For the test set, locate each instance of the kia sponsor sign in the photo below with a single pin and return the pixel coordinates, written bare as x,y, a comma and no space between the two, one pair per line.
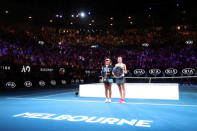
188,71
42,83
53,82
171,71
28,84
139,72
10,84
154,72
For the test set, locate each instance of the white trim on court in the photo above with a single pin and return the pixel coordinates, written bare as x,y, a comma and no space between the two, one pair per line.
45,93
57,94
87,101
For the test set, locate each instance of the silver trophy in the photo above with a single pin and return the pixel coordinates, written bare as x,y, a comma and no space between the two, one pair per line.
118,72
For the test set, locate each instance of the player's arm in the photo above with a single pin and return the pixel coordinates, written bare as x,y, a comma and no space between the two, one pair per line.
102,73
113,69
125,69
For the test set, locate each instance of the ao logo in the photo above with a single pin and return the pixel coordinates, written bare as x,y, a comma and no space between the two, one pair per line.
155,71
28,83
42,83
11,84
171,71
188,71
53,82
26,69
139,71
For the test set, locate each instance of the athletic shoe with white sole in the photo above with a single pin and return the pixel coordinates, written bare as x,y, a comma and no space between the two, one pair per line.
123,101
109,101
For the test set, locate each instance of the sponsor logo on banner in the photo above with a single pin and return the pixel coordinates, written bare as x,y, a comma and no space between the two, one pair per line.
42,83
28,83
145,44
171,71
77,81
63,82
61,71
90,71
189,42
25,69
5,68
82,81
11,84
53,82
155,71
46,69
139,71
188,71
87,71
87,119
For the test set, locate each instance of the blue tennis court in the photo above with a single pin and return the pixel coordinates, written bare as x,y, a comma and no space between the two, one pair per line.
63,110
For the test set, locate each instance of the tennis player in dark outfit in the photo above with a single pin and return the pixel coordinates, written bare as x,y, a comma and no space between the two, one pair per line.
107,78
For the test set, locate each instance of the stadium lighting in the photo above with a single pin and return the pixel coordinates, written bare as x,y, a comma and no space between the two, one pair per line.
60,16
82,14
89,13
6,12
178,27
50,21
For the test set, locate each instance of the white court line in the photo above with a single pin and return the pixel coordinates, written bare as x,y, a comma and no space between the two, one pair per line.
19,96
55,94
194,93
87,101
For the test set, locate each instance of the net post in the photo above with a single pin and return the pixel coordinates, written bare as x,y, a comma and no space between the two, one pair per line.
149,80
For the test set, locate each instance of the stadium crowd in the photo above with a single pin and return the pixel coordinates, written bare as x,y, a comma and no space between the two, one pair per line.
84,50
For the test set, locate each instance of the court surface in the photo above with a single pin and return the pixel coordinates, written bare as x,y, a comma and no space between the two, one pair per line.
62,110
